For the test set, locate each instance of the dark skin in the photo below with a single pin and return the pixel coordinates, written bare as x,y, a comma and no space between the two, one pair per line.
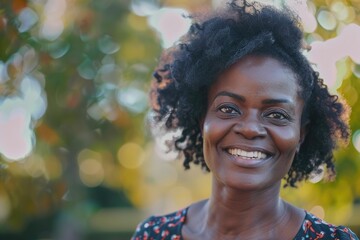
251,131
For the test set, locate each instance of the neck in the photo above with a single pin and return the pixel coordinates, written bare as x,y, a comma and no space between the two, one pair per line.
233,212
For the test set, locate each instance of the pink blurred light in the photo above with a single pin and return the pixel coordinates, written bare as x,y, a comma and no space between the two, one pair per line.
325,54
170,23
15,137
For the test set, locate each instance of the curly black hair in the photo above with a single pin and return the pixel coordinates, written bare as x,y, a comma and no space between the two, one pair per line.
212,45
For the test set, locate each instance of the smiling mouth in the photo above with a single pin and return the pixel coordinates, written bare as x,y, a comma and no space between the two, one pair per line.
252,155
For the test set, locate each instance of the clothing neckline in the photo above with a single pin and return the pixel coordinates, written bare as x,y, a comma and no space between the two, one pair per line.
185,211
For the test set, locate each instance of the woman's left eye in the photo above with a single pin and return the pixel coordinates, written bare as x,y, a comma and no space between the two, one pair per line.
277,115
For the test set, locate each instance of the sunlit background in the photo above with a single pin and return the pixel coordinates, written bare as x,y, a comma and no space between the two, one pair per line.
77,157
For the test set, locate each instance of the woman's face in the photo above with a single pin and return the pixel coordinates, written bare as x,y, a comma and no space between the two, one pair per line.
252,127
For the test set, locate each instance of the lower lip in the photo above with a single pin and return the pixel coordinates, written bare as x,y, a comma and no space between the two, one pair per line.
247,163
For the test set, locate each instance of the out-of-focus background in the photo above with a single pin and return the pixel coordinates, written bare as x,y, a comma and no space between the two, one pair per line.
77,159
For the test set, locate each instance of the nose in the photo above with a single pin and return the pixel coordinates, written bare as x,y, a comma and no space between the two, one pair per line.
250,127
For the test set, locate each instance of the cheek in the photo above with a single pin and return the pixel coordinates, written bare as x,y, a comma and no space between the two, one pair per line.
213,132
208,137
287,139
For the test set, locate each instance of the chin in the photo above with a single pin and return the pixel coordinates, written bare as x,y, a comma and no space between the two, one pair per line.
248,183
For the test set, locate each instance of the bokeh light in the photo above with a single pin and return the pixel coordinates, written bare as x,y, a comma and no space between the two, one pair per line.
326,54
327,20
356,140
133,99
171,24
163,138
91,170
108,73
58,50
317,175
340,9
86,69
144,8
107,45
16,138
16,117
306,11
34,166
131,155
3,73
162,149
318,211
53,25
5,206
27,18
33,97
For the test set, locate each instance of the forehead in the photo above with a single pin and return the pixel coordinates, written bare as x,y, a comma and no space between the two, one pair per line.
258,75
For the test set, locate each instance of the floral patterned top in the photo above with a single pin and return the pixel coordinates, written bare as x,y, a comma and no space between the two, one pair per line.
168,227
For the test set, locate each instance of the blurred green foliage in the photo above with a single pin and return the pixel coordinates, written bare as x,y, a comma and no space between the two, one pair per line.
95,71
101,48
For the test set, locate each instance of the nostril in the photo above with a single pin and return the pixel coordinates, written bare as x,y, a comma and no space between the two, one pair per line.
250,129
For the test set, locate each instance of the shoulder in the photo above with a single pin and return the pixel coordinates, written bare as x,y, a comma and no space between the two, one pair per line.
156,227
314,227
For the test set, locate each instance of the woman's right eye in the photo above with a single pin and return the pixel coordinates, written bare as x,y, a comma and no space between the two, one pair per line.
228,109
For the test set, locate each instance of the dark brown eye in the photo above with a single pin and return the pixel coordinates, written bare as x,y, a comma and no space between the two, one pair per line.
277,115
228,109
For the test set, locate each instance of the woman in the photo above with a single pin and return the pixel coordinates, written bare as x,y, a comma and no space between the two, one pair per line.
252,111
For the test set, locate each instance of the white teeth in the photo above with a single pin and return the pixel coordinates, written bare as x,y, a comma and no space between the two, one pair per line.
242,153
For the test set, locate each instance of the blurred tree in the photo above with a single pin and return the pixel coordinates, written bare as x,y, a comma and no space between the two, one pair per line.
88,57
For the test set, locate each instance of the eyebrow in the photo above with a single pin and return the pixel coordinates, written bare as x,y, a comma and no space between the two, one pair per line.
232,95
242,99
275,101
